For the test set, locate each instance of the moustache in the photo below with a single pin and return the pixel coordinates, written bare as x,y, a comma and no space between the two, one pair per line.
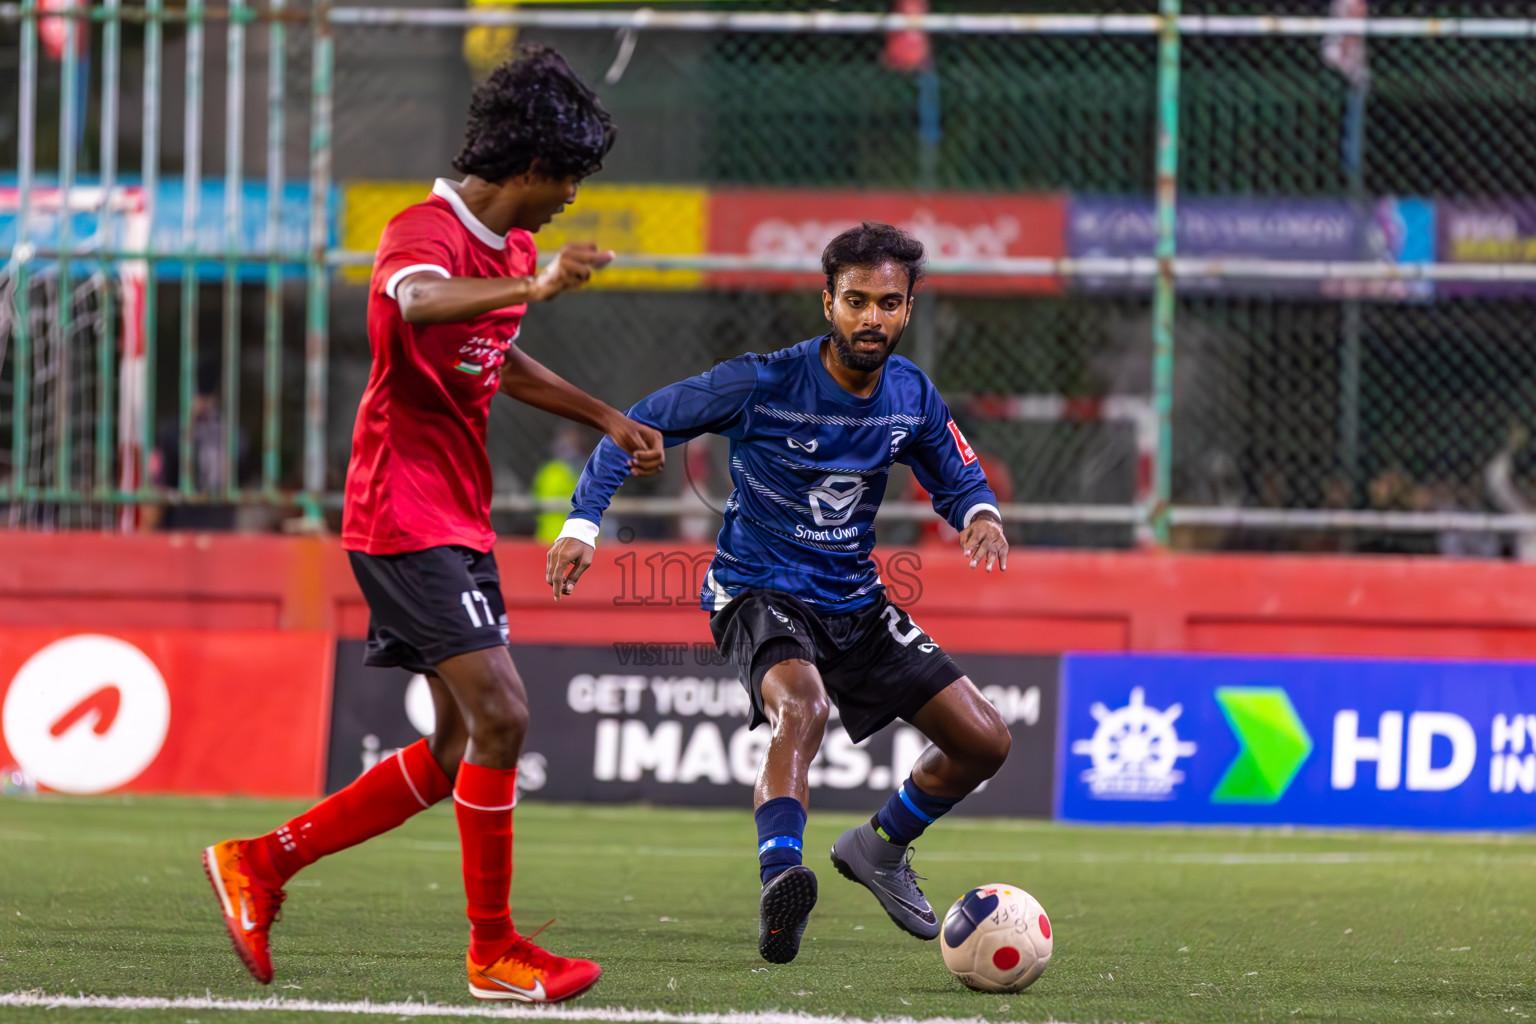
869,336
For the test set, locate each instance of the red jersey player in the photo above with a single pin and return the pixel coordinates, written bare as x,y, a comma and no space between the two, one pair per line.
451,281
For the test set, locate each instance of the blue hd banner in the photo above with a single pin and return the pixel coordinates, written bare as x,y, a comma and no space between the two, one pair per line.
1240,740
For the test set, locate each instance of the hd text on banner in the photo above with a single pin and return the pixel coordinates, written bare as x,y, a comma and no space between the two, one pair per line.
1407,744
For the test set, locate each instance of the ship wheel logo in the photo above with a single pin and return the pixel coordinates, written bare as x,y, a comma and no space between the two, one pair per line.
1134,751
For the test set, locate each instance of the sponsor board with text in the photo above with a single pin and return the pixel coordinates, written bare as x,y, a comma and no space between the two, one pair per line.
798,223
1406,744
1393,230
1491,231
668,724
210,234
165,711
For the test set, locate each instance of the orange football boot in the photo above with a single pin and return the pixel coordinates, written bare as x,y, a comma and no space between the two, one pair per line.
249,904
529,974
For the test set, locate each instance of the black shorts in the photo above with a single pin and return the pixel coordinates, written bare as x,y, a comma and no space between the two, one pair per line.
428,606
875,662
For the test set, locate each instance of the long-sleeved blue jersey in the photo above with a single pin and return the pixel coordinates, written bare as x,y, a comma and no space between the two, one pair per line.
809,462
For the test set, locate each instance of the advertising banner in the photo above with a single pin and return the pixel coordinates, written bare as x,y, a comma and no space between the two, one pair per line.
666,723
649,219
237,712
1488,232
1391,230
798,223
1404,744
166,233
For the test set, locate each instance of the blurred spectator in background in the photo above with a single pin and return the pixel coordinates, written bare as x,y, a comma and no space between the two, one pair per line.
211,472
556,479
1218,484
1392,490
1274,492
1499,480
1450,497
1337,496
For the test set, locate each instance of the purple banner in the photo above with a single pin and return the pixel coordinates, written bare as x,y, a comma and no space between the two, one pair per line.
1489,232
1298,230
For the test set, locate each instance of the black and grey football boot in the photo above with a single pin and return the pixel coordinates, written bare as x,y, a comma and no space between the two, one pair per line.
782,913
885,869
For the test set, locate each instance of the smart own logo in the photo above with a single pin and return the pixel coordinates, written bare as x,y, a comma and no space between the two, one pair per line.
86,714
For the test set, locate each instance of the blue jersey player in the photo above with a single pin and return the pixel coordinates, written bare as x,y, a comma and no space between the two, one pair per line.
796,603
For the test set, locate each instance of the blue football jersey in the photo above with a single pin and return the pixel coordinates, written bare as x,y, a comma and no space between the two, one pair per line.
809,463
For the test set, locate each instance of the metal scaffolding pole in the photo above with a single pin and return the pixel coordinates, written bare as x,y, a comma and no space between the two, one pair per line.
272,354
1167,247
317,326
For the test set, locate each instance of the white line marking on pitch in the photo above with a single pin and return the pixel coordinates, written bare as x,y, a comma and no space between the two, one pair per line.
609,1015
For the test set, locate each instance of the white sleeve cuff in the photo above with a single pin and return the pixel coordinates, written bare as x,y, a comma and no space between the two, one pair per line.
405,272
584,530
976,510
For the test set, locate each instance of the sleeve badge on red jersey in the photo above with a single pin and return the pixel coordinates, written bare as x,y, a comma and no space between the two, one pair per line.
967,455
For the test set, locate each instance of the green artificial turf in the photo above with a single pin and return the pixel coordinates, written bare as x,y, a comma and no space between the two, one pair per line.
106,897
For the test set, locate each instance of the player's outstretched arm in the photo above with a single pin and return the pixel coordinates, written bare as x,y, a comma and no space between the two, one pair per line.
528,380
430,298
712,402
984,541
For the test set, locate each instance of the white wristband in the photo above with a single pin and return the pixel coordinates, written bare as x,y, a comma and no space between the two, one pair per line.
976,510
584,530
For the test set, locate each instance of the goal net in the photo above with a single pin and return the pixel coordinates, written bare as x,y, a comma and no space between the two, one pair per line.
71,355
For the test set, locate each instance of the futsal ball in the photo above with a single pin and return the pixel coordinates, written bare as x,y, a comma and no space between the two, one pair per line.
996,938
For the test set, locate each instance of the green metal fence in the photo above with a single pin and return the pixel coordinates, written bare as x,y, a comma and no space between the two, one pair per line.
1288,309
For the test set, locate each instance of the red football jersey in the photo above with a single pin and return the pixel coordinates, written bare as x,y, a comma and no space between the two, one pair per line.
419,476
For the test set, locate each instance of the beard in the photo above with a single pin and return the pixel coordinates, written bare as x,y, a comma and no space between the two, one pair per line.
863,362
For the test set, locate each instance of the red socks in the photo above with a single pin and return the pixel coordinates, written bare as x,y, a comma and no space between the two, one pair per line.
380,799
384,797
483,800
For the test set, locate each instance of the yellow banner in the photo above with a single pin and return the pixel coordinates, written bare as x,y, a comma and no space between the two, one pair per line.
649,219
659,219
366,206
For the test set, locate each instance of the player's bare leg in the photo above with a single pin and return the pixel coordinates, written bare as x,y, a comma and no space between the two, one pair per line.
797,707
450,735
501,963
970,742
796,704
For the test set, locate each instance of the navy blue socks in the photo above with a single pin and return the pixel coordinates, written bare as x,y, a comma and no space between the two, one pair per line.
908,812
780,830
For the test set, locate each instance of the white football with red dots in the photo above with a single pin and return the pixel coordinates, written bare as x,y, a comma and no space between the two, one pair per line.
996,938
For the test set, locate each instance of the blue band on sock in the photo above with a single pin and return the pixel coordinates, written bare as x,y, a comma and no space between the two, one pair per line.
928,819
780,828
791,842
908,812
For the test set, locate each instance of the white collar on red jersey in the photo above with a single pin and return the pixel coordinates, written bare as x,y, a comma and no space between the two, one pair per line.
449,190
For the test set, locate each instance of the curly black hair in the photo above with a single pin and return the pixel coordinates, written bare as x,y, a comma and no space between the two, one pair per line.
534,110
869,244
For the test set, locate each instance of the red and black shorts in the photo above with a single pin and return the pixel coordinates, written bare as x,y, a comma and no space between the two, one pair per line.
428,606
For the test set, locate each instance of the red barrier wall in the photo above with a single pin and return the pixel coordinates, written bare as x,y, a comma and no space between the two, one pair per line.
1045,602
